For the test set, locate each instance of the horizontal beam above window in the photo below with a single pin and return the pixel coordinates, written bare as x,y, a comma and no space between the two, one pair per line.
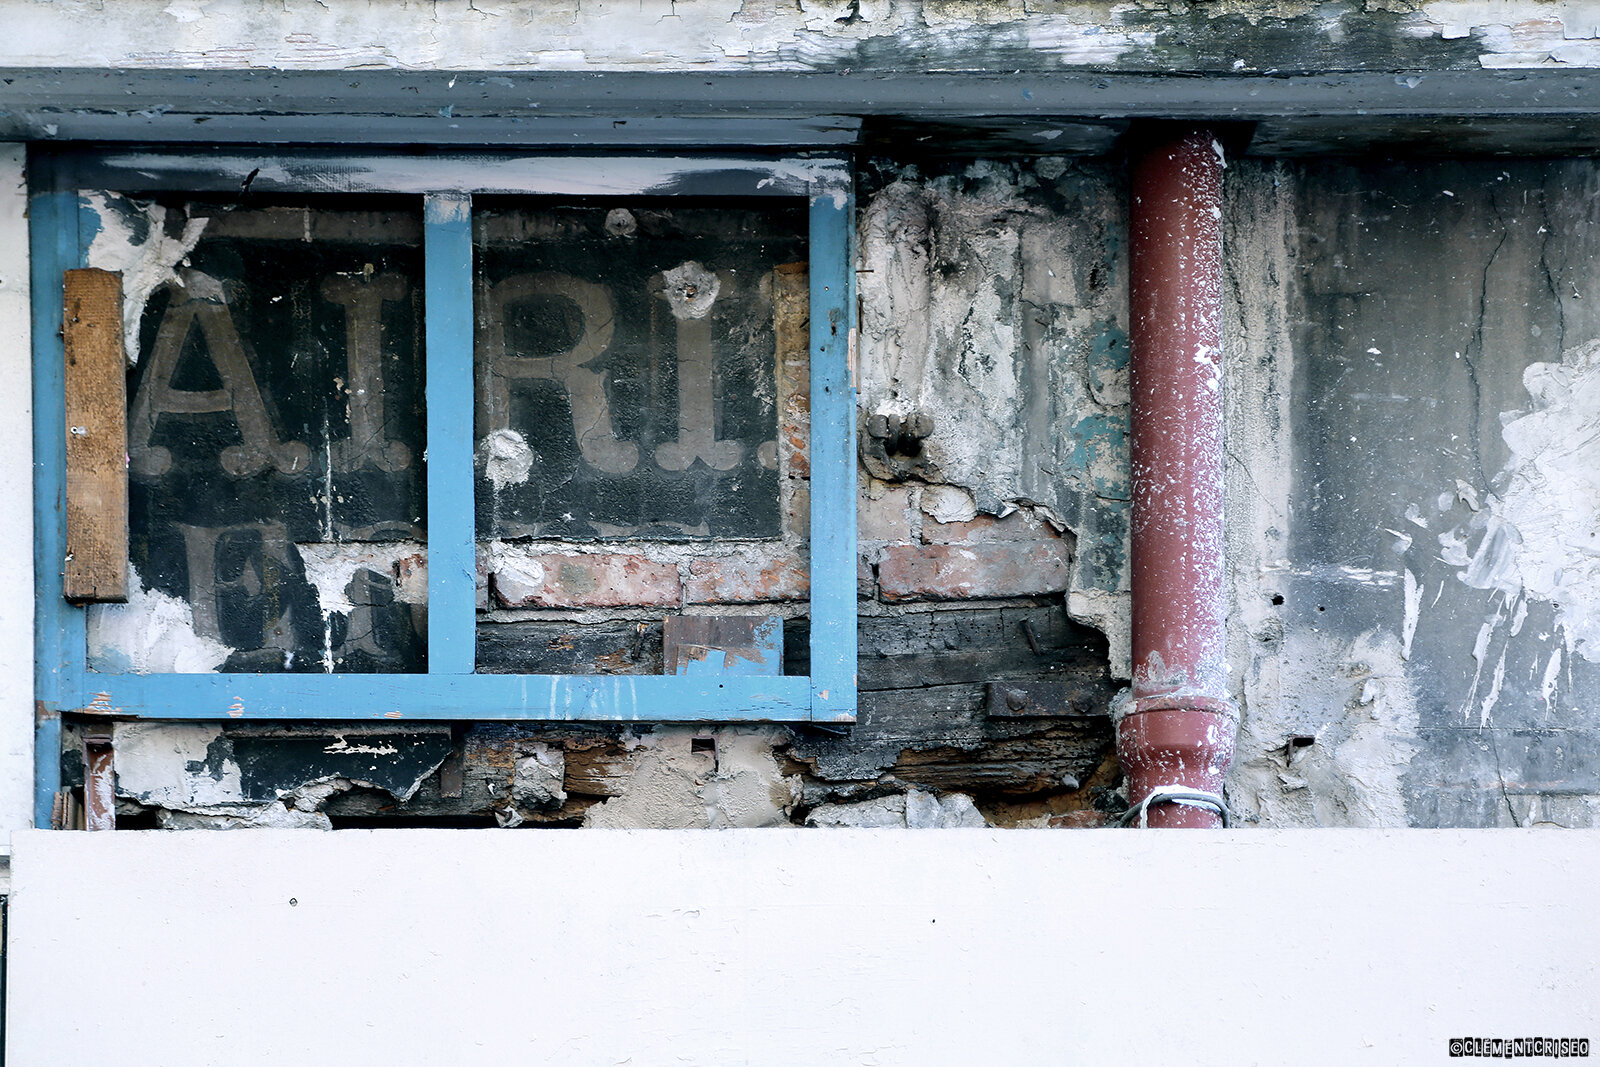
475,697
310,171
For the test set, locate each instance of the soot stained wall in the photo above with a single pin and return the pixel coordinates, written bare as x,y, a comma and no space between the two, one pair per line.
1431,621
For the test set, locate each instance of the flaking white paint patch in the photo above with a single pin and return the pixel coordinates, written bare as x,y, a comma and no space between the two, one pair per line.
507,460
1413,613
341,746
153,759
1538,535
331,566
691,290
1551,680
153,633
948,503
133,240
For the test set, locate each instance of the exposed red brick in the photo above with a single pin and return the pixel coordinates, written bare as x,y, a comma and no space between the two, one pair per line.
745,581
955,572
572,580
795,439
791,323
864,578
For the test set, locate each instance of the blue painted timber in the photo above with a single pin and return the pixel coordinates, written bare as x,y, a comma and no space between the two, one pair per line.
46,766
450,690
58,627
452,591
833,459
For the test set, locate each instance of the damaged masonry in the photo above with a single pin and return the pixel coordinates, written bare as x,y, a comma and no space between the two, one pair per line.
993,514
812,421
1406,586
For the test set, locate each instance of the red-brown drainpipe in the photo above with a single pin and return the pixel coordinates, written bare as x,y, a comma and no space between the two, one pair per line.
1177,730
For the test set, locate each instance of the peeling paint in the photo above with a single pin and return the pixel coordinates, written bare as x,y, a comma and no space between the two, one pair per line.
153,633
156,762
1539,535
537,779
506,458
130,236
211,776
331,567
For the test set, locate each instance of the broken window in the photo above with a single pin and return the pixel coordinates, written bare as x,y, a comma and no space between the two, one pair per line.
627,384
277,514
372,433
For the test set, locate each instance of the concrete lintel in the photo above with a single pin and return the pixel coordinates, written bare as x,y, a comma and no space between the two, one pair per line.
144,104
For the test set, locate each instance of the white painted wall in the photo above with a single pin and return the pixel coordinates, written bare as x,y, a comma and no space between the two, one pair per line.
802,947
662,35
16,499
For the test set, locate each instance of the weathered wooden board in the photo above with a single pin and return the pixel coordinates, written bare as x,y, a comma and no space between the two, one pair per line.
95,567
626,647
1049,698
723,644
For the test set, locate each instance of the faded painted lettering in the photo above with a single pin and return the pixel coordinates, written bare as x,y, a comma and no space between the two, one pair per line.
200,305
363,303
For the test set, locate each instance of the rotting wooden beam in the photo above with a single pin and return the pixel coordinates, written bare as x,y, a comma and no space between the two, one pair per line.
99,783
95,564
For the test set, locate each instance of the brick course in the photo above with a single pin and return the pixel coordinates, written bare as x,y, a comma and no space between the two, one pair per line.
952,572
574,580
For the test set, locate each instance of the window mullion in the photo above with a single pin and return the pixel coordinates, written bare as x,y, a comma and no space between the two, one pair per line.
452,598
59,629
833,460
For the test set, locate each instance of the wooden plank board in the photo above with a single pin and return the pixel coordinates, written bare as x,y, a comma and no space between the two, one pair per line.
1049,698
95,564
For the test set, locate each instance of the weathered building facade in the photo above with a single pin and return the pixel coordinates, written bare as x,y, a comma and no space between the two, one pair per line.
1407,217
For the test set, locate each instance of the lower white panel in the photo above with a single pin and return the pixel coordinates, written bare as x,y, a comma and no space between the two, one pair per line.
802,947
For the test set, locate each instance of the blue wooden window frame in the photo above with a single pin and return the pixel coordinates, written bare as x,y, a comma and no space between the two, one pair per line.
450,690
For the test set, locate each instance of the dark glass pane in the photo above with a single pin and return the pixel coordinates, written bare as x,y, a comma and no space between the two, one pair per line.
276,438
626,369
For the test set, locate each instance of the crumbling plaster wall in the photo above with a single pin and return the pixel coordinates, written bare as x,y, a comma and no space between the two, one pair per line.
1412,392
1412,511
994,304
1284,35
993,537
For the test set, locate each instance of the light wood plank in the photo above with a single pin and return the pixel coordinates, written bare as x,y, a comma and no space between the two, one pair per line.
95,565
